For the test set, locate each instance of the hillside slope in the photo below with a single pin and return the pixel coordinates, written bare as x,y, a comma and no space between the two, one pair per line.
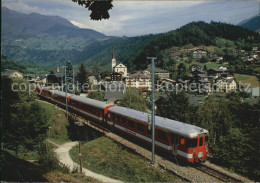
251,23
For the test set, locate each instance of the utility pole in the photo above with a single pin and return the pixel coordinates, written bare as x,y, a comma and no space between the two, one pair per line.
74,88
152,101
80,162
66,94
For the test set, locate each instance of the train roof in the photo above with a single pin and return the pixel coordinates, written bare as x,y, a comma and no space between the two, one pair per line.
89,101
60,93
176,127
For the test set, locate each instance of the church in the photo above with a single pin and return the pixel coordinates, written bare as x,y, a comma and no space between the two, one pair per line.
120,68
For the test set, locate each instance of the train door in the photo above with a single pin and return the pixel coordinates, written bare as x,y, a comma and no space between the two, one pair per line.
175,143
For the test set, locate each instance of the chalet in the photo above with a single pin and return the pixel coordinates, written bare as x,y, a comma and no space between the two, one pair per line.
12,74
224,68
225,85
198,77
214,73
226,75
162,73
195,67
199,53
93,80
197,71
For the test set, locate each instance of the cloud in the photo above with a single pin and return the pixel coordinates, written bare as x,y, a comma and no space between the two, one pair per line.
132,18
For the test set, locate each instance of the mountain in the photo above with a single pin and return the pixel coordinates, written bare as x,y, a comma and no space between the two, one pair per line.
42,39
195,34
251,23
52,40
16,25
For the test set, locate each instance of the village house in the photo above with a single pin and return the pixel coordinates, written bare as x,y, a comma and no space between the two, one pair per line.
12,74
199,53
214,73
225,85
115,76
138,80
93,80
114,91
162,73
195,67
224,68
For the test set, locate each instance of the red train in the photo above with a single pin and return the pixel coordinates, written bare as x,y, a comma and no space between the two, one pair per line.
183,140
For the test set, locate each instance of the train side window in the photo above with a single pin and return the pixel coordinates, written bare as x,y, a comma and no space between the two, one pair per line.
206,139
190,143
140,127
173,136
201,141
162,135
131,124
123,121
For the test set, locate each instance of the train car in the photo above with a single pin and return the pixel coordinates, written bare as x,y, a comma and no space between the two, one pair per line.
183,140
92,109
59,97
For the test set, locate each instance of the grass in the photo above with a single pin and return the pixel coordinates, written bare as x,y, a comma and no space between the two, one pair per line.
18,170
58,131
106,157
210,65
247,79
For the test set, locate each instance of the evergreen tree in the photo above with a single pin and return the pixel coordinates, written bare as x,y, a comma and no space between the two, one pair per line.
133,100
82,75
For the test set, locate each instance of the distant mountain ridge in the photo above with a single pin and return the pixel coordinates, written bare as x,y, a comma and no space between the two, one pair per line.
21,25
252,23
52,40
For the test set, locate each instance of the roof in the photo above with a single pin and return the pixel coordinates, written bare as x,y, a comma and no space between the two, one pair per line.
60,93
120,65
203,81
9,72
113,95
170,125
139,75
112,86
161,71
216,70
202,75
92,102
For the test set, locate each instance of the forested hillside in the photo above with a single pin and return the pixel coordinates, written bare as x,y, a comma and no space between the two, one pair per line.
51,40
198,34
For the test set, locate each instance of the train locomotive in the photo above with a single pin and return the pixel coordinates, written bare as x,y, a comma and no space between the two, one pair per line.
185,141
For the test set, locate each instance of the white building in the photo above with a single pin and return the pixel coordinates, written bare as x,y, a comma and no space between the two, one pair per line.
139,80
120,68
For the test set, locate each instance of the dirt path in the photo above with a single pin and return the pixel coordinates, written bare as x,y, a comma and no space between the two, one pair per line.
64,158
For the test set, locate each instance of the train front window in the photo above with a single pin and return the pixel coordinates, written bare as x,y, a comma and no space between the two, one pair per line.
201,141
191,143
206,139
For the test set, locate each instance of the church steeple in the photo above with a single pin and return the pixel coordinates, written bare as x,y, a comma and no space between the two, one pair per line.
113,55
113,61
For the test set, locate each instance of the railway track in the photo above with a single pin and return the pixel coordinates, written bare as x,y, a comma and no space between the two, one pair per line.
200,173
217,174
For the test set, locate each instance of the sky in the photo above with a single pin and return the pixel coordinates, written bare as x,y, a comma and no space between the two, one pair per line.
133,18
